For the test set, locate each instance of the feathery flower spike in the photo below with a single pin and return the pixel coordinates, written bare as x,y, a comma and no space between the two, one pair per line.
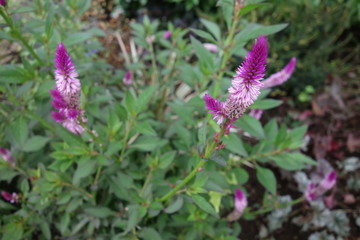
282,76
246,83
65,74
66,93
215,107
245,86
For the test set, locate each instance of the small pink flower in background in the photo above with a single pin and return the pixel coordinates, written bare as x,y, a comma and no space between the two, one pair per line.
240,201
256,113
310,193
211,47
245,85
127,78
150,39
7,156
167,35
327,183
10,197
3,3
282,76
314,191
66,93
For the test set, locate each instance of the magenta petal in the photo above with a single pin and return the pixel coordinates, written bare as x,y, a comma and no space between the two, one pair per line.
240,201
58,116
281,76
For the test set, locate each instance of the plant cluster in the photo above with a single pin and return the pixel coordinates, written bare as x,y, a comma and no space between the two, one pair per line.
93,152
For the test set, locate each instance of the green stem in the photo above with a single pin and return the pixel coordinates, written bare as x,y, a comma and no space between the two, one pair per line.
225,58
66,184
153,62
146,183
269,209
127,132
41,120
209,150
17,34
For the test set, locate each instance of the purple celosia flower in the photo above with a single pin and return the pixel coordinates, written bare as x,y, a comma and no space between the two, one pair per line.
314,191
65,74
3,3
215,107
245,85
7,156
66,94
282,76
240,201
127,78
256,113
211,47
10,197
167,35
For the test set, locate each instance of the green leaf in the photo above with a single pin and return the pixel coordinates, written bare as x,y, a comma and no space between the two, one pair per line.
100,212
202,134
166,159
266,104
130,103
212,27
85,168
253,30
286,161
147,143
144,97
20,131
292,161
12,231
175,205
45,228
204,35
49,21
150,234
70,138
35,143
241,175
227,9
234,144
271,130
205,57
203,204
216,157
251,125
136,213
145,128
75,38
248,8
4,35
267,178
215,200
